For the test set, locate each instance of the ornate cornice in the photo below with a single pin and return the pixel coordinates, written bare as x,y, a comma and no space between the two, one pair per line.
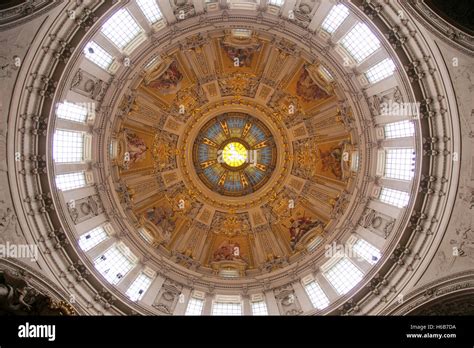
438,26
46,84
25,12
434,291
35,290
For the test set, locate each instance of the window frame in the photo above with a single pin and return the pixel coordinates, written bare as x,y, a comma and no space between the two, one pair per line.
396,198
66,148
225,312
340,283
149,11
335,18
71,187
356,42
102,235
397,166
380,71
192,305
101,57
72,112
122,19
261,307
314,291
118,258
400,129
138,296
366,250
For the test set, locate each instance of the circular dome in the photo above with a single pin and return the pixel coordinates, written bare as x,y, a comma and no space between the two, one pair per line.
234,154
243,183
142,105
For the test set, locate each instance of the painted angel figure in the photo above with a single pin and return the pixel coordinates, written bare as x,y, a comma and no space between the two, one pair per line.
136,148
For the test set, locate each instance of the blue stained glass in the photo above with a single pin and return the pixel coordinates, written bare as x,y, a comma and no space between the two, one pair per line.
255,133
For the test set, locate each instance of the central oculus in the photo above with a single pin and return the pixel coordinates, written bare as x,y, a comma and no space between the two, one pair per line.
234,154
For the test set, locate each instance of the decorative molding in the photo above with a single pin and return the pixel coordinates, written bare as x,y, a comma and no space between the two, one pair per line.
438,26
43,90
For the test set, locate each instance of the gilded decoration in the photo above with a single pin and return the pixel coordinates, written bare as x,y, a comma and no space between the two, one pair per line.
232,225
166,78
278,177
240,51
316,159
164,151
234,191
